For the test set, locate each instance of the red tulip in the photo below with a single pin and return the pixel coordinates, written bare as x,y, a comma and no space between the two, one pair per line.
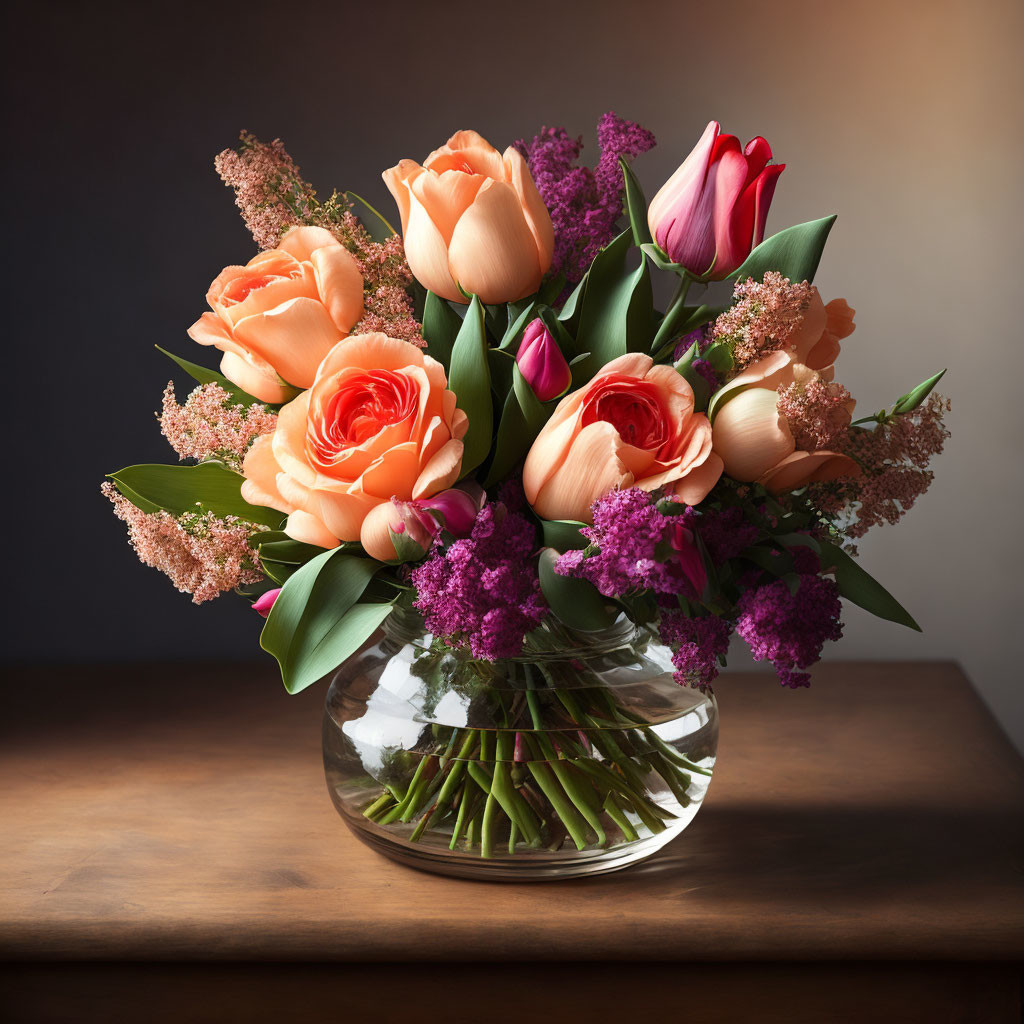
712,211
541,362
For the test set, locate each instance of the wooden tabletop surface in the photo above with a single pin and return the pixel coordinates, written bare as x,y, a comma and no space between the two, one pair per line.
164,812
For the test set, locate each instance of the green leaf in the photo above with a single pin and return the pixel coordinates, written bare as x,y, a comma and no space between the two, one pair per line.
910,401
377,226
440,328
470,379
517,325
570,313
636,204
308,630
657,256
535,412
204,375
794,252
564,534
616,315
279,547
856,585
720,357
576,602
512,441
551,288
522,417
501,362
178,489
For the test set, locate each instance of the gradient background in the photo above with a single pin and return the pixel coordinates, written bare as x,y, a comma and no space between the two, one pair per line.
903,118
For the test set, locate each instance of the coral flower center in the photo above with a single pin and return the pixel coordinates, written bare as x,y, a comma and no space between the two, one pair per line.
634,411
359,410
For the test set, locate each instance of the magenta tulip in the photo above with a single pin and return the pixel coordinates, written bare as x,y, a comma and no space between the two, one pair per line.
266,601
712,211
541,362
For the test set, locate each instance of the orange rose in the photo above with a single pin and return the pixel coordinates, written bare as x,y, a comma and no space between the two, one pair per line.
633,425
474,218
278,316
379,422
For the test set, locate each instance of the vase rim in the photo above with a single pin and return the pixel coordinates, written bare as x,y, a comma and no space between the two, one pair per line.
551,641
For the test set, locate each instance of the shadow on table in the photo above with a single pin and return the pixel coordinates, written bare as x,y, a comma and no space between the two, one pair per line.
859,852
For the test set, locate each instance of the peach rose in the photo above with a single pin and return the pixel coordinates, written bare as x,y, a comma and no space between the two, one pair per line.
633,425
378,423
473,217
754,438
278,316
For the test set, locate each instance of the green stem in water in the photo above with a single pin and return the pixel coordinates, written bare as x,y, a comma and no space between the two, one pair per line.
488,826
615,812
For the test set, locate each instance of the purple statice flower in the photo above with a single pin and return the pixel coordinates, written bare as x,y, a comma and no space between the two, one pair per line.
686,342
789,629
697,643
639,548
725,532
483,590
584,204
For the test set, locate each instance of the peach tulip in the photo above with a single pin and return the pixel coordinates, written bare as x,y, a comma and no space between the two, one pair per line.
378,423
632,425
276,318
754,439
472,217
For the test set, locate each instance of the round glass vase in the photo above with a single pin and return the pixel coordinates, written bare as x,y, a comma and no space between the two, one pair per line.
581,756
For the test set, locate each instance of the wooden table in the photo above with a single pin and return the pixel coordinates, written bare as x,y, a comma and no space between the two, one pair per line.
169,852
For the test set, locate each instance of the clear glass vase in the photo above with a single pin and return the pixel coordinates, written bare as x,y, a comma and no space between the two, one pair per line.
579,757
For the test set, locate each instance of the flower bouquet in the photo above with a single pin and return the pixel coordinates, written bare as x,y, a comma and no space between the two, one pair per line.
522,504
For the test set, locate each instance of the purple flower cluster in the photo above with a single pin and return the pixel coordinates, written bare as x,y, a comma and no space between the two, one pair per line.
726,533
584,204
789,629
696,644
639,548
483,589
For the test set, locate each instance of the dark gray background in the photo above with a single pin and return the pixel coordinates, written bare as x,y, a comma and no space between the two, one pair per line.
902,117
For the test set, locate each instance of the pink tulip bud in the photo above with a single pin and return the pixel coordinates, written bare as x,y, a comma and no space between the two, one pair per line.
266,602
541,362
416,521
456,506
712,211
688,557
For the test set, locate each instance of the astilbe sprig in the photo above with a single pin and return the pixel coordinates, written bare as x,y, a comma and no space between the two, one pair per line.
894,458
762,318
584,203
273,196
210,425
203,554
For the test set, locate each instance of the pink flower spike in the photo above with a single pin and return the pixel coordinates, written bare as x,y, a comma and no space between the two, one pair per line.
266,602
541,362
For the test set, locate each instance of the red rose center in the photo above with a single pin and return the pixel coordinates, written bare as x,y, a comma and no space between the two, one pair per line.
632,407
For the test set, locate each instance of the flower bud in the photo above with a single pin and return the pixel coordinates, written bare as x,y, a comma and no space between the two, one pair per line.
416,523
712,211
688,556
266,602
541,362
457,508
